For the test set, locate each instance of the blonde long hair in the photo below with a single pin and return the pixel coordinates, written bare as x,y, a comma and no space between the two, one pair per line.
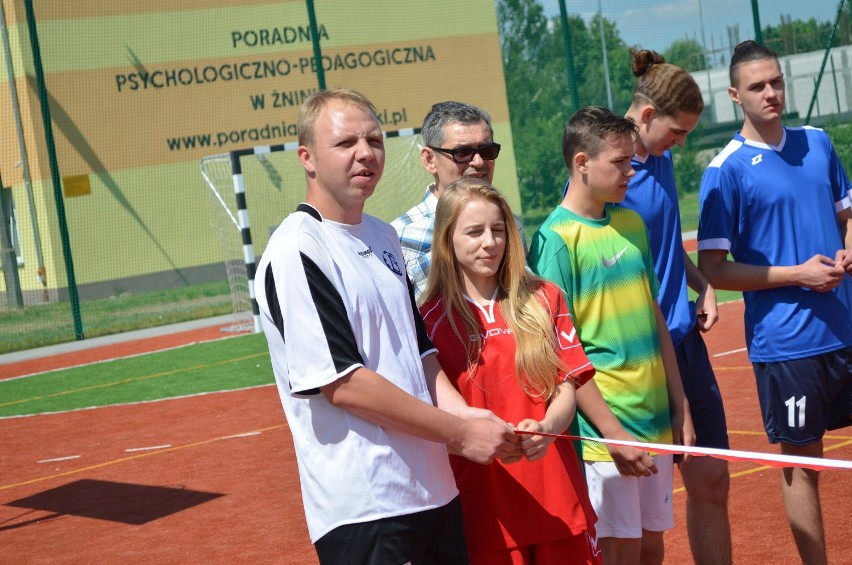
537,365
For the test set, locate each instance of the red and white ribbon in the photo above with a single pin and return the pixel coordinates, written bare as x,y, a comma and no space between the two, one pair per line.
770,459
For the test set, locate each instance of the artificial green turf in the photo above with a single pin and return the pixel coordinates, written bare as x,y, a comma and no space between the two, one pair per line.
45,324
688,211
226,364
722,296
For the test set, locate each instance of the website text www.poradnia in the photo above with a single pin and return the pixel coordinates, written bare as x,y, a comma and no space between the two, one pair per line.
237,138
267,134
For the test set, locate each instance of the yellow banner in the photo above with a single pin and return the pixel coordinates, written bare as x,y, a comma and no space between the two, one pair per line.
139,92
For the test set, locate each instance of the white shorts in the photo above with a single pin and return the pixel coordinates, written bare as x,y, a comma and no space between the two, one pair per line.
627,505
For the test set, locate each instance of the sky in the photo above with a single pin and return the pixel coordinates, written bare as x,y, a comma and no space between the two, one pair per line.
655,24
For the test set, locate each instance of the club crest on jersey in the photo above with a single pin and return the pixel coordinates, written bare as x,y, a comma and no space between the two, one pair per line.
391,263
757,159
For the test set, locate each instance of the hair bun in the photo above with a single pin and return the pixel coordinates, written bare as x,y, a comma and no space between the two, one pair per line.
643,60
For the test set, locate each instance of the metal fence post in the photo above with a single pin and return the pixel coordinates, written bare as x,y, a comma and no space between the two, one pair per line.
54,173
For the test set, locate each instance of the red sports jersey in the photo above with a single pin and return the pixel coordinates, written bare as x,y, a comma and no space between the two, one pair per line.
526,502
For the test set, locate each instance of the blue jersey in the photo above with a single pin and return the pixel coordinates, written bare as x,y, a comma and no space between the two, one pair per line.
778,206
652,193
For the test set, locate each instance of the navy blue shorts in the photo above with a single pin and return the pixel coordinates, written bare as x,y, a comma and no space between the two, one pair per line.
431,537
702,392
802,398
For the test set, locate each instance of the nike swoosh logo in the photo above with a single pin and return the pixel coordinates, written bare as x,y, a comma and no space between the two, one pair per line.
610,262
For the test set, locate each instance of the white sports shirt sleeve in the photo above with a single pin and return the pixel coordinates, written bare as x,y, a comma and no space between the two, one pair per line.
333,298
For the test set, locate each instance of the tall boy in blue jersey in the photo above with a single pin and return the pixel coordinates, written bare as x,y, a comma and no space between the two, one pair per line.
667,105
777,199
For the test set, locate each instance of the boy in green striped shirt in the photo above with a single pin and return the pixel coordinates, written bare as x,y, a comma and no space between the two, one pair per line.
599,255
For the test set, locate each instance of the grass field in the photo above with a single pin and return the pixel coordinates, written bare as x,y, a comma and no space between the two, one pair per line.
722,296
47,324
228,364
689,211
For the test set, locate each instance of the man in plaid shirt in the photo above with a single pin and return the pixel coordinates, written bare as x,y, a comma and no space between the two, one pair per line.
457,142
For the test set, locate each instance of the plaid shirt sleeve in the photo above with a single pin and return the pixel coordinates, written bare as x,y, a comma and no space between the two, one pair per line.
415,229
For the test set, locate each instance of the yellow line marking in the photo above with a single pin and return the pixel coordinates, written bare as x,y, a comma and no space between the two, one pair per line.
746,433
765,467
761,433
131,458
130,380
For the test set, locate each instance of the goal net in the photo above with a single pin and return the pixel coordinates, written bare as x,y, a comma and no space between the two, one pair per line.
251,191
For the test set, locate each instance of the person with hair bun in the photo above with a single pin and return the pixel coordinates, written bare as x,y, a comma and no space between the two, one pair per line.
667,105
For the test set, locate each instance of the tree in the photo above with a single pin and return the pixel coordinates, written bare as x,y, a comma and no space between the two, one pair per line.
538,96
687,54
539,93
688,168
618,60
797,36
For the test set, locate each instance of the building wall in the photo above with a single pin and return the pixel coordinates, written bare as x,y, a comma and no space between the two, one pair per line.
140,92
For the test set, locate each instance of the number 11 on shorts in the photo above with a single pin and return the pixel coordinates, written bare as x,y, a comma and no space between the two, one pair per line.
792,404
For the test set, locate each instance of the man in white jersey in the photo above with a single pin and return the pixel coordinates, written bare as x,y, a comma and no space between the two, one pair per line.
357,376
777,199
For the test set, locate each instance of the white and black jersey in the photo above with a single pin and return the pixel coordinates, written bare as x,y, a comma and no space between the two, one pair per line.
333,298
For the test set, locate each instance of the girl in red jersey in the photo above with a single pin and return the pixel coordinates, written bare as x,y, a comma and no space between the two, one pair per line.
506,340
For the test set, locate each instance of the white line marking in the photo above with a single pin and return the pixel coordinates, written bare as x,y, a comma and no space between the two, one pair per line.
247,434
270,385
731,352
99,361
151,448
59,459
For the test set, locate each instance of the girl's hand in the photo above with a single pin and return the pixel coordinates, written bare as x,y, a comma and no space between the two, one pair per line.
534,446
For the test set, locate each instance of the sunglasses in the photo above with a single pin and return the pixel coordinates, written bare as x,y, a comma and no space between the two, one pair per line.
488,152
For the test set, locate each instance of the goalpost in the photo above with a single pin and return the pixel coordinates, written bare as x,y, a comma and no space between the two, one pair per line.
275,183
